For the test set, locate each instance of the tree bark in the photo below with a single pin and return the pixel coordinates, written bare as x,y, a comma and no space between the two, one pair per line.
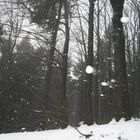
89,77
136,105
122,96
51,53
63,101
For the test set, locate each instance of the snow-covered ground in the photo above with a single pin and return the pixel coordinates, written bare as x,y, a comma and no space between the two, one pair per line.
121,130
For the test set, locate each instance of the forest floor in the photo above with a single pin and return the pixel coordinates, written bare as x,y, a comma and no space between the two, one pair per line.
121,130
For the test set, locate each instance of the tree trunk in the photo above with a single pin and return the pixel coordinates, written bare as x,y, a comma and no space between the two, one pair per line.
63,101
122,96
89,77
137,71
51,53
97,78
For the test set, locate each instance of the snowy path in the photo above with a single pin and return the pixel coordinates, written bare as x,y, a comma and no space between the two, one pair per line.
113,131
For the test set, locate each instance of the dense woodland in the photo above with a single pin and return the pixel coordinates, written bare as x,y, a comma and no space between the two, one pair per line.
46,47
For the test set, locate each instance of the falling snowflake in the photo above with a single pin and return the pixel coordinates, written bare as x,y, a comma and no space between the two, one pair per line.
15,62
90,70
102,95
113,80
104,84
124,19
0,54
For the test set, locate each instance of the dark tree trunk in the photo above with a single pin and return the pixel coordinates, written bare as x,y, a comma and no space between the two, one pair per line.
51,53
51,103
137,96
122,96
63,101
97,78
89,77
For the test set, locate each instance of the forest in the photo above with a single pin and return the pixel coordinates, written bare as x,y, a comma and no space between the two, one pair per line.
68,62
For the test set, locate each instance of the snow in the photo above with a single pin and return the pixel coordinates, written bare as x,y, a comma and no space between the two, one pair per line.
113,80
121,130
23,129
102,95
73,76
0,54
90,70
124,19
104,84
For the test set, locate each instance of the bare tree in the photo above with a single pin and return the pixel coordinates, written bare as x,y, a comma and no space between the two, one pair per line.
89,77
122,96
